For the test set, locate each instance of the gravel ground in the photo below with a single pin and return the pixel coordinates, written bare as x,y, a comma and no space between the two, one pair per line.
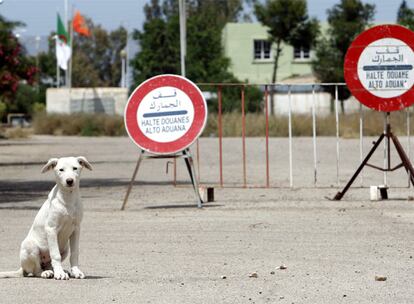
164,250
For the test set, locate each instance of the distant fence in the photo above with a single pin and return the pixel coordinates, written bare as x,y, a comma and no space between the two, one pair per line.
287,89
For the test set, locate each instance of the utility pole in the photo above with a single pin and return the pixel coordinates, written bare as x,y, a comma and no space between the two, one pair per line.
37,63
123,68
127,58
183,34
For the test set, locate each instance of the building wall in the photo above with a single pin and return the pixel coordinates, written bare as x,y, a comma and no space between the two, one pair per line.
238,42
86,100
302,103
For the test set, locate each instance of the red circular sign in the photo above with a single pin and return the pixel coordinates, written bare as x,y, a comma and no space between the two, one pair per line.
379,70
165,114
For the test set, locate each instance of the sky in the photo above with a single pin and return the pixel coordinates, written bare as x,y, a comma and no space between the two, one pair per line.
40,15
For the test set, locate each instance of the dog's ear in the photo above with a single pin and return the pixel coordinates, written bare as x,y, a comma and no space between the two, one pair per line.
84,162
51,163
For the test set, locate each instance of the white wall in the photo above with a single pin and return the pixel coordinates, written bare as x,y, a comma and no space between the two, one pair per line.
301,103
87,100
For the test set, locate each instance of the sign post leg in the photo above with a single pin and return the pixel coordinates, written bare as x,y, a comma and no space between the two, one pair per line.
141,156
340,194
191,171
405,161
404,158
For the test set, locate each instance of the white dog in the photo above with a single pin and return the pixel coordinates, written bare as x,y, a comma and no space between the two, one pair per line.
56,226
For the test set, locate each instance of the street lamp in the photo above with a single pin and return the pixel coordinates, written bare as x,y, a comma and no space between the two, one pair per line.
37,62
123,54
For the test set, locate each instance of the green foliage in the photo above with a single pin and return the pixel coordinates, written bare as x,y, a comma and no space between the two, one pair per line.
160,53
205,60
25,98
159,40
96,60
24,101
89,129
231,99
346,20
38,107
3,110
405,15
287,22
15,65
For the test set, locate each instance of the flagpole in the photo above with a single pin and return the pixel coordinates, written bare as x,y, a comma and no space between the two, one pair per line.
127,58
71,49
66,24
57,63
57,73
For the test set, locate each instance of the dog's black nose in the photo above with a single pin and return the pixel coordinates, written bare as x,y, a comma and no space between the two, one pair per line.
69,181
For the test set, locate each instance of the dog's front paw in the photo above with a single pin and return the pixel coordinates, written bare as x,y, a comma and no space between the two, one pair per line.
60,274
47,274
76,273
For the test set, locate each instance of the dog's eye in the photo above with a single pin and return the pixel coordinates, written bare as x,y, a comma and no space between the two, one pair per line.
74,168
61,170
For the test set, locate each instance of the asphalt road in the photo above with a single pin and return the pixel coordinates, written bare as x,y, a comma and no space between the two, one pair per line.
162,249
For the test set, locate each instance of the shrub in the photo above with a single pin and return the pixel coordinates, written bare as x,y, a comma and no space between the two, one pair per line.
106,125
78,124
17,133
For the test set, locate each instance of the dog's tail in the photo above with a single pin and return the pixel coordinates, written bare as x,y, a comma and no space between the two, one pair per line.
12,274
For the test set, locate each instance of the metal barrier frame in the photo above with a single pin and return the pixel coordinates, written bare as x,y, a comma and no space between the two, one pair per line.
219,88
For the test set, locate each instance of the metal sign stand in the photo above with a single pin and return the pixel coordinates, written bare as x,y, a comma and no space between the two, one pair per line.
405,161
190,167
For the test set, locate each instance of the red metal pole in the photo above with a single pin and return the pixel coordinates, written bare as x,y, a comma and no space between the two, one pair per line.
220,133
267,137
243,137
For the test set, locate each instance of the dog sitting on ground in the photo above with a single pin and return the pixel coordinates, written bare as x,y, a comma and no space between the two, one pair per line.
56,227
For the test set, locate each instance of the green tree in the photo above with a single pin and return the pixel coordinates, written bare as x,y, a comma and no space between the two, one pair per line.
405,15
159,40
96,60
287,22
160,49
346,20
16,67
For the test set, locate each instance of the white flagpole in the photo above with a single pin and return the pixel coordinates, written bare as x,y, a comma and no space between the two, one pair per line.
127,59
57,72
57,63
71,50
66,24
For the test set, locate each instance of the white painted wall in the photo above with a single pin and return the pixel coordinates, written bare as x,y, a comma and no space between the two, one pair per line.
87,100
301,103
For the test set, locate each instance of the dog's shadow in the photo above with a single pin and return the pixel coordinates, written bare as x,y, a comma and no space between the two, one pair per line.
176,206
88,277
93,277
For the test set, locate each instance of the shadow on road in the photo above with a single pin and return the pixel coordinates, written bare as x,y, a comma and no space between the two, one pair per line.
20,191
181,206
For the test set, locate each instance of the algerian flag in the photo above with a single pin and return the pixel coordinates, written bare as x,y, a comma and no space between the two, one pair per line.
63,51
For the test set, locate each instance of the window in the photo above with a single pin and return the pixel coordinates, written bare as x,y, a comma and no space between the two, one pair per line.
300,52
261,49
